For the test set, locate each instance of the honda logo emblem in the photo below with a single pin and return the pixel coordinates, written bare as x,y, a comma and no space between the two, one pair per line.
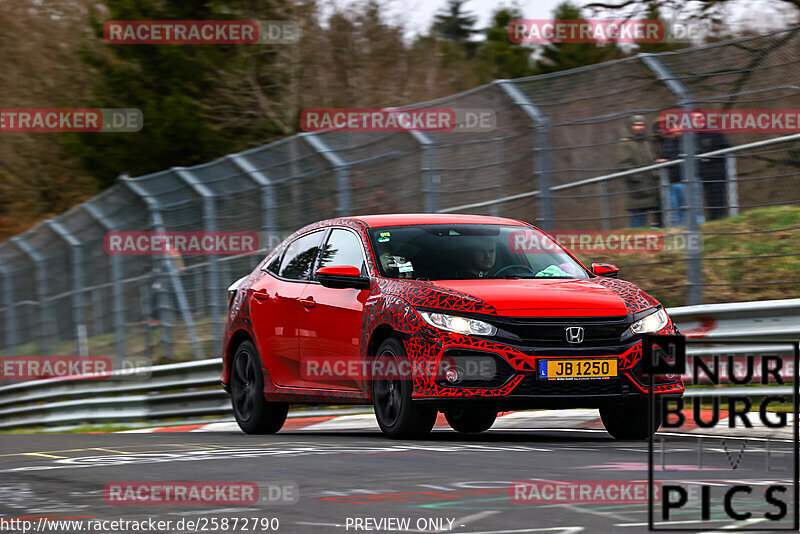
574,334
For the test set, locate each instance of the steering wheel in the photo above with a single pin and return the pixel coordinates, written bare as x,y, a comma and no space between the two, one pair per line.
507,267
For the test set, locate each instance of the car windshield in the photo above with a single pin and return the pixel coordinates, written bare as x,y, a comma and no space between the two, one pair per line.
470,251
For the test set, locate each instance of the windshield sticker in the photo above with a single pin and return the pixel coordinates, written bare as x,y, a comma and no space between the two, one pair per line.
384,237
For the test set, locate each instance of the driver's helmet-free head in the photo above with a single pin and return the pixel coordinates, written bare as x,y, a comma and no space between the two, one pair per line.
481,253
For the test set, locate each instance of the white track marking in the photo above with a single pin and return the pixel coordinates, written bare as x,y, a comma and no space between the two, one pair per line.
364,421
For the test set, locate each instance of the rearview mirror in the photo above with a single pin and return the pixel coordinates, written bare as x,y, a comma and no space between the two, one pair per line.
605,269
341,277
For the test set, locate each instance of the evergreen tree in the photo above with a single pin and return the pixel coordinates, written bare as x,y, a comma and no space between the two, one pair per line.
562,56
498,56
455,25
169,83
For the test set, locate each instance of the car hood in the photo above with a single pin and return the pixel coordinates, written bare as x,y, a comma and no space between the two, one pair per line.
533,298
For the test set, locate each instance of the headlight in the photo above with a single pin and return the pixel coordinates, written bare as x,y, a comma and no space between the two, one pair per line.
652,323
459,325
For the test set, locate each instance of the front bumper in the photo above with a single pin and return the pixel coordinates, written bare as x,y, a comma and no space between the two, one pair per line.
516,385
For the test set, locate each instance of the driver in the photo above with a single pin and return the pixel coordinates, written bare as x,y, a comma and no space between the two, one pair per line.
392,264
480,258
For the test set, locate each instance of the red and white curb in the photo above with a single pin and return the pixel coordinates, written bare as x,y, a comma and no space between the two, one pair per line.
577,419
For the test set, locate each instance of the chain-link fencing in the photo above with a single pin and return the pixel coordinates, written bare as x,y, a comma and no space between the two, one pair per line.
553,159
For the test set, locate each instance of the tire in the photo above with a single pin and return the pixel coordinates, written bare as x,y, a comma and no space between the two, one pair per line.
253,413
629,421
469,421
397,415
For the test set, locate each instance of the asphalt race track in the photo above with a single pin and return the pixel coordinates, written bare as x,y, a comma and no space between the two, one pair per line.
452,479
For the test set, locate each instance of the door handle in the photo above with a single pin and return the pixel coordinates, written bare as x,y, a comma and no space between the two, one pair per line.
261,294
308,302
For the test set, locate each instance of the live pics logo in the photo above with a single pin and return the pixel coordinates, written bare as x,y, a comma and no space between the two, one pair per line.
727,460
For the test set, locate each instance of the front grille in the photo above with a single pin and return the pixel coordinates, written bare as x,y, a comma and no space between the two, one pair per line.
530,385
551,333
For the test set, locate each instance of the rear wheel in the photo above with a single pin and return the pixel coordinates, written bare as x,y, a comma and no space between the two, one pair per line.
397,415
629,421
471,421
253,413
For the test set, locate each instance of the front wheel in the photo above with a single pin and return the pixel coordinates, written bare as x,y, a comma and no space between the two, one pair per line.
470,421
397,415
253,413
629,421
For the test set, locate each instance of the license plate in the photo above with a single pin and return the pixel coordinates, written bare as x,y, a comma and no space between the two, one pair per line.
577,368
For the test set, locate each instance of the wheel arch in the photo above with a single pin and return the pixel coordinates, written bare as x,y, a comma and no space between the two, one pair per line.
238,337
380,334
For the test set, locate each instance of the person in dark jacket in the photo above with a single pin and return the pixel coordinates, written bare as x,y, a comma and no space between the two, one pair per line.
667,148
712,171
643,196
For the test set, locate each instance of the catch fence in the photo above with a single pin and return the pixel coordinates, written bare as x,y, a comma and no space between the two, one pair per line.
552,159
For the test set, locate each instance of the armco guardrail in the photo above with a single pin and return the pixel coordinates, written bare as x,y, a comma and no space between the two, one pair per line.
750,321
188,386
186,390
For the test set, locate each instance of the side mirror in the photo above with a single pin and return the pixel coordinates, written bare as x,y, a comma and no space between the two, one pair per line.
341,277
605,269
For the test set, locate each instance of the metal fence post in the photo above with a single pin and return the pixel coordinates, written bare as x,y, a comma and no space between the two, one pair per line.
695,198
605,208
267,195
733,185
210,225
499,157
165,263
341,168
41,290
10,316
541,150
116,284
667,213
76,272
430,177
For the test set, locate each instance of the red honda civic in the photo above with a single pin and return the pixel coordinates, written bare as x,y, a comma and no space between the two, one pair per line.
416,314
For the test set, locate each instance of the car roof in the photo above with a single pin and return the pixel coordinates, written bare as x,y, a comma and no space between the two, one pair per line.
404,219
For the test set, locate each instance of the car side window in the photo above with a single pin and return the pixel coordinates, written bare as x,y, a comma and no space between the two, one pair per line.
342,248
299,257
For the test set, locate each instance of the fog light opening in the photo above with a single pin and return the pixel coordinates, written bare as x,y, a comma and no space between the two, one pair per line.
454,375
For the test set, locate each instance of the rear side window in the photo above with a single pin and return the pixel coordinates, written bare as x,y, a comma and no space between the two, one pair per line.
299,257
343,248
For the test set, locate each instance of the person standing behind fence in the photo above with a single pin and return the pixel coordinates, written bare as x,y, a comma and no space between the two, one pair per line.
712,171
667,148
635,151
